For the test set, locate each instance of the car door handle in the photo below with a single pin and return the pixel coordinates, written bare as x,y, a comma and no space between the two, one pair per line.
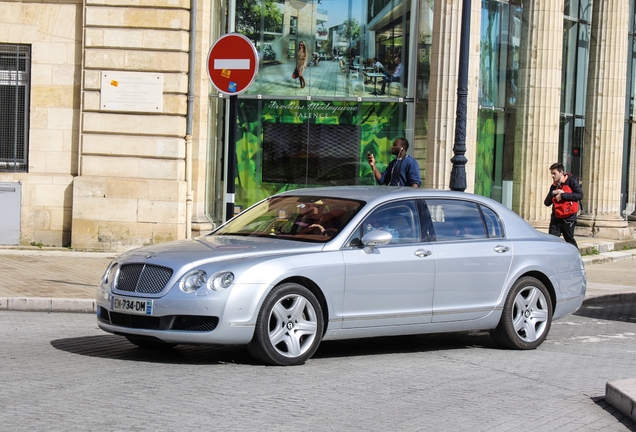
501,249
422,253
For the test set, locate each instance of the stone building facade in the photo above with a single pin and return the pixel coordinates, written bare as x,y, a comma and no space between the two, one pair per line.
111,179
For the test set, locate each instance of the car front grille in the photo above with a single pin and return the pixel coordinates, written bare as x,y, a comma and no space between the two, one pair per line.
193,323
142,278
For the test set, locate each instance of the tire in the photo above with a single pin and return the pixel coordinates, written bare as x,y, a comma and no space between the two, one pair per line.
527,316
149,343
289,326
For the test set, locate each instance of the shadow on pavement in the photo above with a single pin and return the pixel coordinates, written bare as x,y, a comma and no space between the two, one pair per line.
118,348
623,312
405,344
623,419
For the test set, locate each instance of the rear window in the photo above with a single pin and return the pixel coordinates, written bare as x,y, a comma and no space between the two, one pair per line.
456,220
493,223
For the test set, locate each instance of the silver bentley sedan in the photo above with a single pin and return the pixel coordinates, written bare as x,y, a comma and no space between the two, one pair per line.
346,262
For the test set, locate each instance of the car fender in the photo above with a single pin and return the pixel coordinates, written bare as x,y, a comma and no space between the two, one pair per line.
563,273
254,284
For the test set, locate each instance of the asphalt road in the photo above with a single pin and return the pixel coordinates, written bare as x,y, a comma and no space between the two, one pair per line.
58,371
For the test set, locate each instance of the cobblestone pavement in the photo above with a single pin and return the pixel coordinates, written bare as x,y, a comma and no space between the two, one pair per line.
60,372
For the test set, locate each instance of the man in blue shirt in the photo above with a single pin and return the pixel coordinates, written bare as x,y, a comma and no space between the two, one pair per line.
395,76
402,171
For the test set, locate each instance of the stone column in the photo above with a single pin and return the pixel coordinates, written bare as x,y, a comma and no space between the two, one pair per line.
631,191
538,108
443,93
631,197
604,122
208,29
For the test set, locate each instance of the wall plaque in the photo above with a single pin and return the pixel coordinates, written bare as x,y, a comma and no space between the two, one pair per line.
131,91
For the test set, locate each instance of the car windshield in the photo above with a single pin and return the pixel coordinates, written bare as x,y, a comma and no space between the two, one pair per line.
305,218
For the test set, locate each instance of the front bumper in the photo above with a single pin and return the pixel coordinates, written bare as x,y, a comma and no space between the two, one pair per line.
208,317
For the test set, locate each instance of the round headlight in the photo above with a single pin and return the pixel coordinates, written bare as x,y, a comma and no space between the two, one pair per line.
192,281
109,274
221,281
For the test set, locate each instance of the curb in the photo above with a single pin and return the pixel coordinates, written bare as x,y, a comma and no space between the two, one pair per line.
610,298
40,304
621,394
43,304
606,257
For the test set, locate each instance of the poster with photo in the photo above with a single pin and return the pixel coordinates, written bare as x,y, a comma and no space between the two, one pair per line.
284,145
327,48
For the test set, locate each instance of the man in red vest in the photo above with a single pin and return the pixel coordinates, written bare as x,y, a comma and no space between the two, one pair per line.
565,189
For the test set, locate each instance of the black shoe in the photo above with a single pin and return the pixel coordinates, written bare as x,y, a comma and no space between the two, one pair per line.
381,93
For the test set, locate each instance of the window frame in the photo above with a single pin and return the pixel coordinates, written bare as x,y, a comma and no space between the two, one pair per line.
480,210
15,115
355,239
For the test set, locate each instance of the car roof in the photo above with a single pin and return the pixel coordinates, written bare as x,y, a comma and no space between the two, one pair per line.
375,195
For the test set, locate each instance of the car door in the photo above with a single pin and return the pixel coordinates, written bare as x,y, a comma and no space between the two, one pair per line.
472,259
394,284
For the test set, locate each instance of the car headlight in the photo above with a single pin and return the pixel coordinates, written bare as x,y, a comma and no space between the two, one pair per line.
110,274
221,281
192,281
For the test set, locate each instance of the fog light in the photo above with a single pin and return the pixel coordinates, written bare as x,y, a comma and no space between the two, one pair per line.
193,281
221,281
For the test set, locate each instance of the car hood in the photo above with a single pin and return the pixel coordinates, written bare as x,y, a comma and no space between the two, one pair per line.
215,248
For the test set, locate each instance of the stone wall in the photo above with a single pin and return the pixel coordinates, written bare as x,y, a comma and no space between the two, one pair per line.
53,30
131,188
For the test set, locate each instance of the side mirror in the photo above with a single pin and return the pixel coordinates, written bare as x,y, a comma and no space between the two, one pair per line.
376,238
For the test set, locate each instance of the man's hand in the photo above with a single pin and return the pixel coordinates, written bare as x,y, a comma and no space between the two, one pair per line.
371,159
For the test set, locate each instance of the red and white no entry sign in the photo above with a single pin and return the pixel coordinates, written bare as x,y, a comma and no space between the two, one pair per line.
232,63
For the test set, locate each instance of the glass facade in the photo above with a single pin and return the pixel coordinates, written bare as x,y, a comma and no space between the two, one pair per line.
295,134
498,71
576,46
317,131
341,45
290,144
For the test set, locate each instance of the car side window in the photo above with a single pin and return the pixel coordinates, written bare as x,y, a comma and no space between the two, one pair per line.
493,223
456,220
400,219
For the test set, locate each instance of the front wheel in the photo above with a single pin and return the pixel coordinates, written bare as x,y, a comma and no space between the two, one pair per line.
526,317
289,326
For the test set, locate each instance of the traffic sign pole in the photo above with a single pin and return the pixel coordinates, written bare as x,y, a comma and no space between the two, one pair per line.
231,158
232,68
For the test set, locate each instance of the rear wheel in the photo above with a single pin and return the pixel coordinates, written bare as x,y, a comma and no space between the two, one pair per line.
150,343
526,317
289,326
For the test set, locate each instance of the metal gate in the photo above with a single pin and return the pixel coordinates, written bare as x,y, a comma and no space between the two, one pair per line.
10,194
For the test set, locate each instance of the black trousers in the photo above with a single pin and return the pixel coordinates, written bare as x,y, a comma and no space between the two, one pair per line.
563,227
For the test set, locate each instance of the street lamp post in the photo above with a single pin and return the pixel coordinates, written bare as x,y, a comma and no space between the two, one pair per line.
458,173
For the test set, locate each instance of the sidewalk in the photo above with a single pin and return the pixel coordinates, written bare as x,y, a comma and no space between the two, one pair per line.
59,280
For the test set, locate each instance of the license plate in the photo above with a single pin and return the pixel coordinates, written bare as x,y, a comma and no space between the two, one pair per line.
132,306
